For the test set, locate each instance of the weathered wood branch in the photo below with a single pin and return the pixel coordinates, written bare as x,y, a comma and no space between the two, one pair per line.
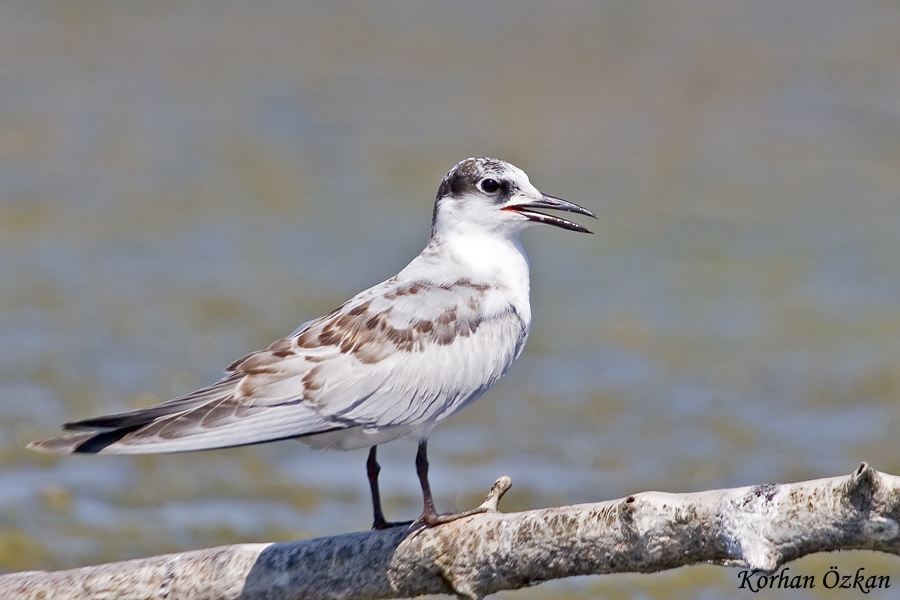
758,527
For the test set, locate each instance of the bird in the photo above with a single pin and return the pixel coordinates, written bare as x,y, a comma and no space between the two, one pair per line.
392,362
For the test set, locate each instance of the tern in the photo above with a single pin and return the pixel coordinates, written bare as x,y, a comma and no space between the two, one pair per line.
392,362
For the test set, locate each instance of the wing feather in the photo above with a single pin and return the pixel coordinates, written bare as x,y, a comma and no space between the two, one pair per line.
401,354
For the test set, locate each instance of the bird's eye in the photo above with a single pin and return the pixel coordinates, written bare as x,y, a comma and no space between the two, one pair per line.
489,186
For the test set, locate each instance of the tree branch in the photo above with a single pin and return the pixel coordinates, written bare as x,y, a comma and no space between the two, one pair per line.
758,527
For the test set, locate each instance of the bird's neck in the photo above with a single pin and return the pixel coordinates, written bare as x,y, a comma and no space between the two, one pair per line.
498,261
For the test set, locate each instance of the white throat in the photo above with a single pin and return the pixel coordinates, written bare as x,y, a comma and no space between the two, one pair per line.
481,257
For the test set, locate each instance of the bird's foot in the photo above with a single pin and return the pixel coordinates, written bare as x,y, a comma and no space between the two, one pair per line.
382,524
431,518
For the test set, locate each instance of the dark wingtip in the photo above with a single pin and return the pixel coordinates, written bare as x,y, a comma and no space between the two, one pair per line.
97,442
108,422
86,442
65,444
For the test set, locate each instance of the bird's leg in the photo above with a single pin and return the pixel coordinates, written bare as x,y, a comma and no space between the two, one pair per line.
429,515
422,471
372,470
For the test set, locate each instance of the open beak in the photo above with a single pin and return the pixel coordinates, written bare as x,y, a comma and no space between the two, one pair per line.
550,202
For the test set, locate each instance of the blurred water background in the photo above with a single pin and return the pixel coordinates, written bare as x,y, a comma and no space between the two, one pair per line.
182,183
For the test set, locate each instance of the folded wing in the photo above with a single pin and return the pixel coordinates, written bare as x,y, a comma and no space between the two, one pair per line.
398,354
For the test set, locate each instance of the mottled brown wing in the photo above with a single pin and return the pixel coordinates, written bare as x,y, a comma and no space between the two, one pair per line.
397,354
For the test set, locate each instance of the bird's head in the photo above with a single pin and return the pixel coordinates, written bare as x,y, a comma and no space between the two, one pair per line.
490,195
